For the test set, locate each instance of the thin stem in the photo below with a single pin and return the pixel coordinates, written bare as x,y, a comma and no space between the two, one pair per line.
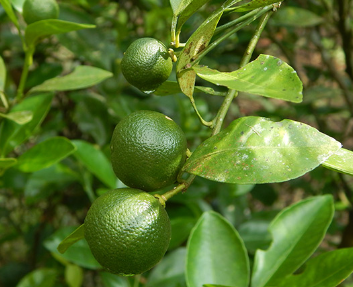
26,65
225,36
4,100
205,123
137,280
218,121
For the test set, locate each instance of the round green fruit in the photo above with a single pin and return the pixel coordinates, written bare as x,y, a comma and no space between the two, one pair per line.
37,10
127,230
148,149
146,64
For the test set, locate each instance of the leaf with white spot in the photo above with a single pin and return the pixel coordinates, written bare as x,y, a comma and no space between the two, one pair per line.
267,76
255,150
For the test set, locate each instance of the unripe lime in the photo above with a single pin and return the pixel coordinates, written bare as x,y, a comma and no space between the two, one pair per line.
127,230
146,64
148,149
36,10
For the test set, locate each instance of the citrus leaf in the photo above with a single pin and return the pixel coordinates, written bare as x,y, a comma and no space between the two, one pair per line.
170,271
45,154
20,118
257,150
44,28
341,161
82,77
95,161
212,285
254,4
18,4
42,277
13,134
113,280
266,76
6,4
73,275
2,74
183,9
328,269
296,231
215,259
75,236
296,17
78,253
6,163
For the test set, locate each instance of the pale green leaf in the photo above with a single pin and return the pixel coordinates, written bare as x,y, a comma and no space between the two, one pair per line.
73,275
82,77
257,150
266,76
296,231
341,161
21,117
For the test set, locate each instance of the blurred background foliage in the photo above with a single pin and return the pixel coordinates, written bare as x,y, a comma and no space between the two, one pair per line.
37,210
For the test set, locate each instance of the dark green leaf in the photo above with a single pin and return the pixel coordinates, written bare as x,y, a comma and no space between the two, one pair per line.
6,4
341,161
43,277
75,236
96,162
181,227
216,254
297,231
6,163
13,134
45,182
82,77
266,76
170,271
2,74
45,154
257,150
37,30
79,253
296,17
328,269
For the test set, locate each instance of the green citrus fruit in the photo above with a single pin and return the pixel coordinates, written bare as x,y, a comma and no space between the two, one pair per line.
36,10
146,64
148,150
127,230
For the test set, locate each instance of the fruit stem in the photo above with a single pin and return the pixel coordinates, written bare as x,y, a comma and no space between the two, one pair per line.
181,187
27,63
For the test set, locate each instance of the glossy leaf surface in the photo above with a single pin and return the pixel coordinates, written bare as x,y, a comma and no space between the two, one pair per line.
45,154
13,134
266,76
297,231
215,259
341,161
82,77
257,150
328,269
20,118
95,161
45,28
